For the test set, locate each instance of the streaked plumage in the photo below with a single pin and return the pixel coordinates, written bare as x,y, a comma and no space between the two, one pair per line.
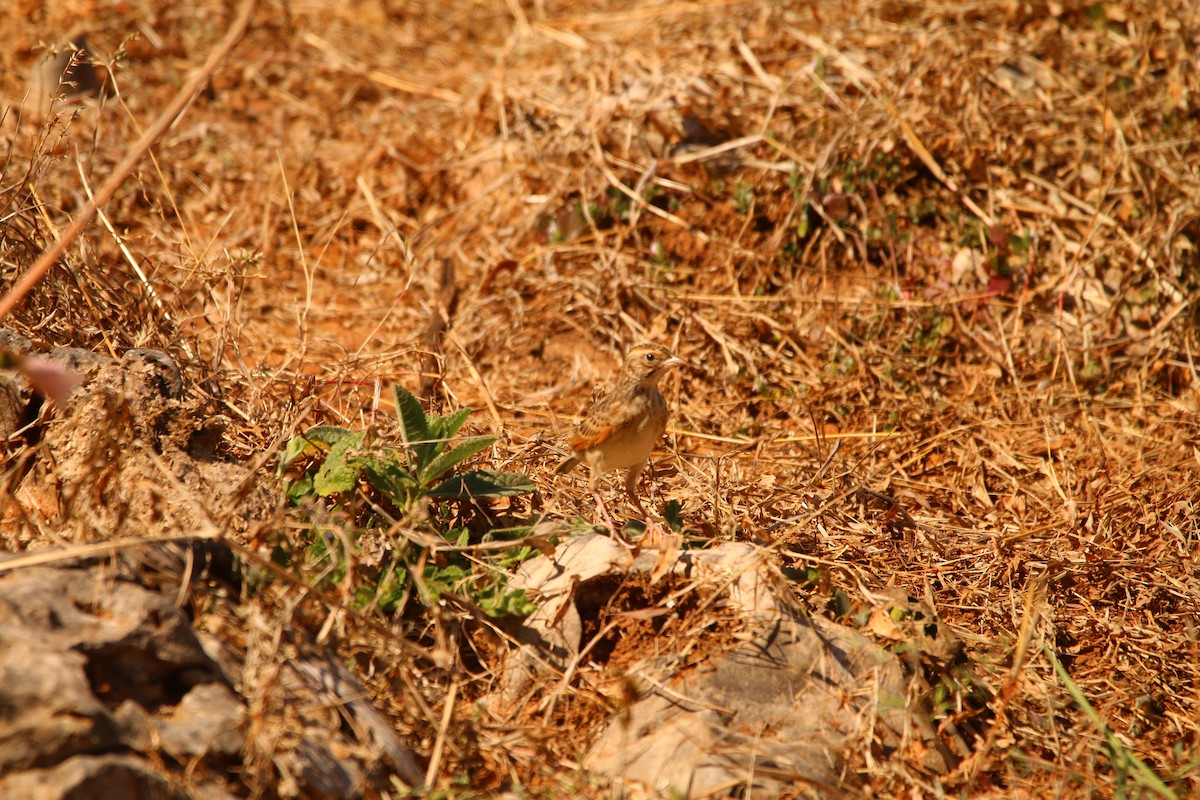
622,427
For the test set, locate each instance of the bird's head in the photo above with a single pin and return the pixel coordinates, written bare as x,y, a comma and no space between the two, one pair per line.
646,363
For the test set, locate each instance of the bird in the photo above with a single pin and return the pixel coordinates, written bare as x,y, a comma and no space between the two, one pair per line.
620,430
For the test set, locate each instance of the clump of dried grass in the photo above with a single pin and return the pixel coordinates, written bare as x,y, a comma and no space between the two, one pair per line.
932,267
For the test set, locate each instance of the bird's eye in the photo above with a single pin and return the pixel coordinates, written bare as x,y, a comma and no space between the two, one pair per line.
650,356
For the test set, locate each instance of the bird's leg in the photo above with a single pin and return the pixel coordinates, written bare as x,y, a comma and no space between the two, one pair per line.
608,520
653,529
631,488
604,515
600,504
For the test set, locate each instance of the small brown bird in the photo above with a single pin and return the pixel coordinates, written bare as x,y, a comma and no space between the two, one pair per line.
621,429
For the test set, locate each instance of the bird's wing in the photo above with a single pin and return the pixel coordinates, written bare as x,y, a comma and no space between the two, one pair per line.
591,433
596,427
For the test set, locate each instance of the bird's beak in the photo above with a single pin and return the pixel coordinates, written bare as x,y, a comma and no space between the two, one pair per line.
673,361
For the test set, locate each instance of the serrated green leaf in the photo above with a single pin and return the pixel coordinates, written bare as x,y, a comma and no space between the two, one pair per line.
327,434
482,484
318,437
452,457
294,449
445,427
414,427
339,472
417,429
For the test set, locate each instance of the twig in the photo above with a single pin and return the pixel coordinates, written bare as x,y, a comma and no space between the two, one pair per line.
439,746
435,332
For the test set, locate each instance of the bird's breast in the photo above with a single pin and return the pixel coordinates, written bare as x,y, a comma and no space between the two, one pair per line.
632,441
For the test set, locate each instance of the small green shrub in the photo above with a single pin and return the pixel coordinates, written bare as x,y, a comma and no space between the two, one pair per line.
367,485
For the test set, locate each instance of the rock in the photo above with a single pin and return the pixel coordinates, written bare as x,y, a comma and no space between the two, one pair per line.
75,643
771,712
205,724
14,400
130,418
552,632
105,688
49,711
93,664
107,777
145,650
15,343
77,359
15,395
326,678
155,369
312,771
780,708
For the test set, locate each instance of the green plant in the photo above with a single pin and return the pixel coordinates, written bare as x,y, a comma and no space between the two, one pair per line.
673,513
354,480
421,468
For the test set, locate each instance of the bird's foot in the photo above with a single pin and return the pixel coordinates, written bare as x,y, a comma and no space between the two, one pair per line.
613,531
654,534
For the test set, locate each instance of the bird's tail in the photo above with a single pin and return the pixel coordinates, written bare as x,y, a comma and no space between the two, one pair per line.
567,465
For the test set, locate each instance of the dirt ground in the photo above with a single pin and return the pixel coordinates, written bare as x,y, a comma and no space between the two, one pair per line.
933,268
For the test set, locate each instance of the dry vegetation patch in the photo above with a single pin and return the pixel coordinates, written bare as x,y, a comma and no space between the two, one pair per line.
933,268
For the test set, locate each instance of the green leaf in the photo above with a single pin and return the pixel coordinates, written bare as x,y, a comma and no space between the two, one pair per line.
499,603
510,558
439,580
482,484
414,427
388,594
327,434
673,514
319,437
392,480
299,490
445,427
339,473
452,457
423,433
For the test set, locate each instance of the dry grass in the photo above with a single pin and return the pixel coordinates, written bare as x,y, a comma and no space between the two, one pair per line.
937,298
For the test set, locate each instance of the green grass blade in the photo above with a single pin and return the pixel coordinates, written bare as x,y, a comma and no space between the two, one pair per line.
1122,758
